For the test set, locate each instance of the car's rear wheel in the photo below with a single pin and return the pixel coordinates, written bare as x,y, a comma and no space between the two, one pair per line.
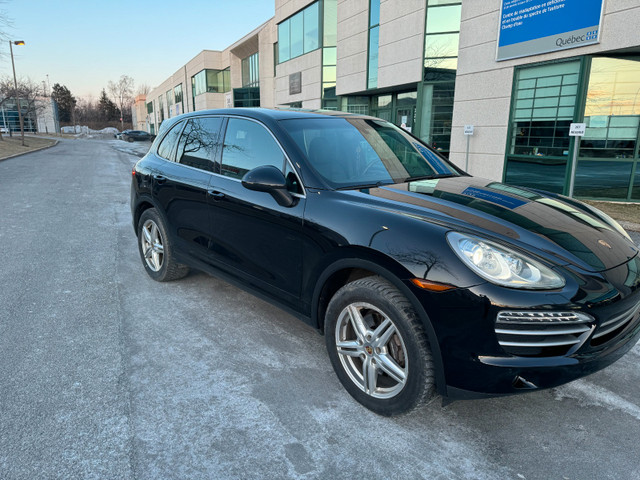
378,347
130,139
156,250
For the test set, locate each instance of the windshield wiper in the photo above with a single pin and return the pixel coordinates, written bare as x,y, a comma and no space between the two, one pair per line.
367,185
431,177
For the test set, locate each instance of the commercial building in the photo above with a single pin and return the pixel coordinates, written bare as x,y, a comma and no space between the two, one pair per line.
139,118
39,114
517,73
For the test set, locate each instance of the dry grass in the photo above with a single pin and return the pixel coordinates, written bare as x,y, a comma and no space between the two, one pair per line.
10,146
626,212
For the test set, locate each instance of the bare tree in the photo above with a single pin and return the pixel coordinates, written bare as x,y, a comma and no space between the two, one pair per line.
143,89
122,94
27,94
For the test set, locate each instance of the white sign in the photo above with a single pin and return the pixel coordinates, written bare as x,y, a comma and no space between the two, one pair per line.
577,129
468,129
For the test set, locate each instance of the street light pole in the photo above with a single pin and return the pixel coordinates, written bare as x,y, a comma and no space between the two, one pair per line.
15,84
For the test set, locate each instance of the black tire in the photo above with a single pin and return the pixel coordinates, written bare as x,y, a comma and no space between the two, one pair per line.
155,248
405,353
130,139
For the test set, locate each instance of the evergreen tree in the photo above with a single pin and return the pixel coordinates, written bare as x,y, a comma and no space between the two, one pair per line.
66,102
107,109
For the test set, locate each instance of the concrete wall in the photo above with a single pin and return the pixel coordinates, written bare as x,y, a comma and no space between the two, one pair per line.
401,42
353,35
483,86
310,67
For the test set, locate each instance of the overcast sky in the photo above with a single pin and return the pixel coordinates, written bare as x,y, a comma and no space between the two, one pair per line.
84,44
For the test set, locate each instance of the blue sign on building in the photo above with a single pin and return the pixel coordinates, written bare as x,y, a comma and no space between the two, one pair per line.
530,27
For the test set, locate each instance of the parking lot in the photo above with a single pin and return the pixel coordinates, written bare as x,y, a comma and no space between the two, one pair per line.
108,374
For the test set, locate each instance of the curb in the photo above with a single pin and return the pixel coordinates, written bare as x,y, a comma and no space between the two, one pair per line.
30,151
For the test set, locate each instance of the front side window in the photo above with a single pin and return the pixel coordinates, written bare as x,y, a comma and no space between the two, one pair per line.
354,152
248,145
167,147
199,143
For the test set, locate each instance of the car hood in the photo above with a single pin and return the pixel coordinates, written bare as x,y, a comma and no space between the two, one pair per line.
555,227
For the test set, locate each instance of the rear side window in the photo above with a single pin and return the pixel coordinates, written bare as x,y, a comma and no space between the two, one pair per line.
200,142
167,147
248,145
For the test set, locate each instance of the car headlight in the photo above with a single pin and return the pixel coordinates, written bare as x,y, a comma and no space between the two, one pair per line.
501,265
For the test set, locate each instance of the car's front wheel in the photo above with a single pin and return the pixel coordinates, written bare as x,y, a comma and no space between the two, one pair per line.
156,250
378,347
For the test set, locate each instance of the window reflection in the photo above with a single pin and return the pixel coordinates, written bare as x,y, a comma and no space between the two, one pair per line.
612,111
248,145
199,143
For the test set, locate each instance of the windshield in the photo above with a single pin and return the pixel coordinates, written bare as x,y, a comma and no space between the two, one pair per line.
357,152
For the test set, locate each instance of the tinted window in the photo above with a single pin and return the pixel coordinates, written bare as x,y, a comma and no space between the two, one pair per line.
248,145
199,143
166,148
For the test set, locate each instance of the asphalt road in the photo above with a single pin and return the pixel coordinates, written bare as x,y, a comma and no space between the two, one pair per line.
105,373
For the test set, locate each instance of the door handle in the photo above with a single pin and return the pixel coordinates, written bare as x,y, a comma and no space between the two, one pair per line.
160,178
216,194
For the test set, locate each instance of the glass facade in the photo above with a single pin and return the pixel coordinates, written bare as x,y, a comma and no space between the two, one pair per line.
442,33
299,34
609,148
211,81
10,119
374,43
246,97
160,110
170,101
329,54
178,97
548,98
543,107
251,71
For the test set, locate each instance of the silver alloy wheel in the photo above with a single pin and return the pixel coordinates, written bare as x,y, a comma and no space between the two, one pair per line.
371,350
152,246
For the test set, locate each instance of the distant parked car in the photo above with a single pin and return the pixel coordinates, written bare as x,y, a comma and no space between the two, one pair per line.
4,130
118,135
131,135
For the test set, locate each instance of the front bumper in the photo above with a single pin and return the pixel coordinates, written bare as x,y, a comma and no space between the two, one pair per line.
480,360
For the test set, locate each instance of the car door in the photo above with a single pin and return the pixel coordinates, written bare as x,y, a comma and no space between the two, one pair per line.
181,186
254,237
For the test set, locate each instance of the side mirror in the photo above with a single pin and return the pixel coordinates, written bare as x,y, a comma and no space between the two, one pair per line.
268,178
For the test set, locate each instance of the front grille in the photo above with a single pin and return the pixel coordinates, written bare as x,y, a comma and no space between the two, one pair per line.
613,326
542,334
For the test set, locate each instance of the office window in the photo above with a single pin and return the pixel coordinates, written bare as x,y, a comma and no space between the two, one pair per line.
150,107
374,31
442,37
161,108
543,107
250,71
299,34
211,81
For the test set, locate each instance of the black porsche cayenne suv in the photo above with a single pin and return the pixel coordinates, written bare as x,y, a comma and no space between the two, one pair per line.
422,278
